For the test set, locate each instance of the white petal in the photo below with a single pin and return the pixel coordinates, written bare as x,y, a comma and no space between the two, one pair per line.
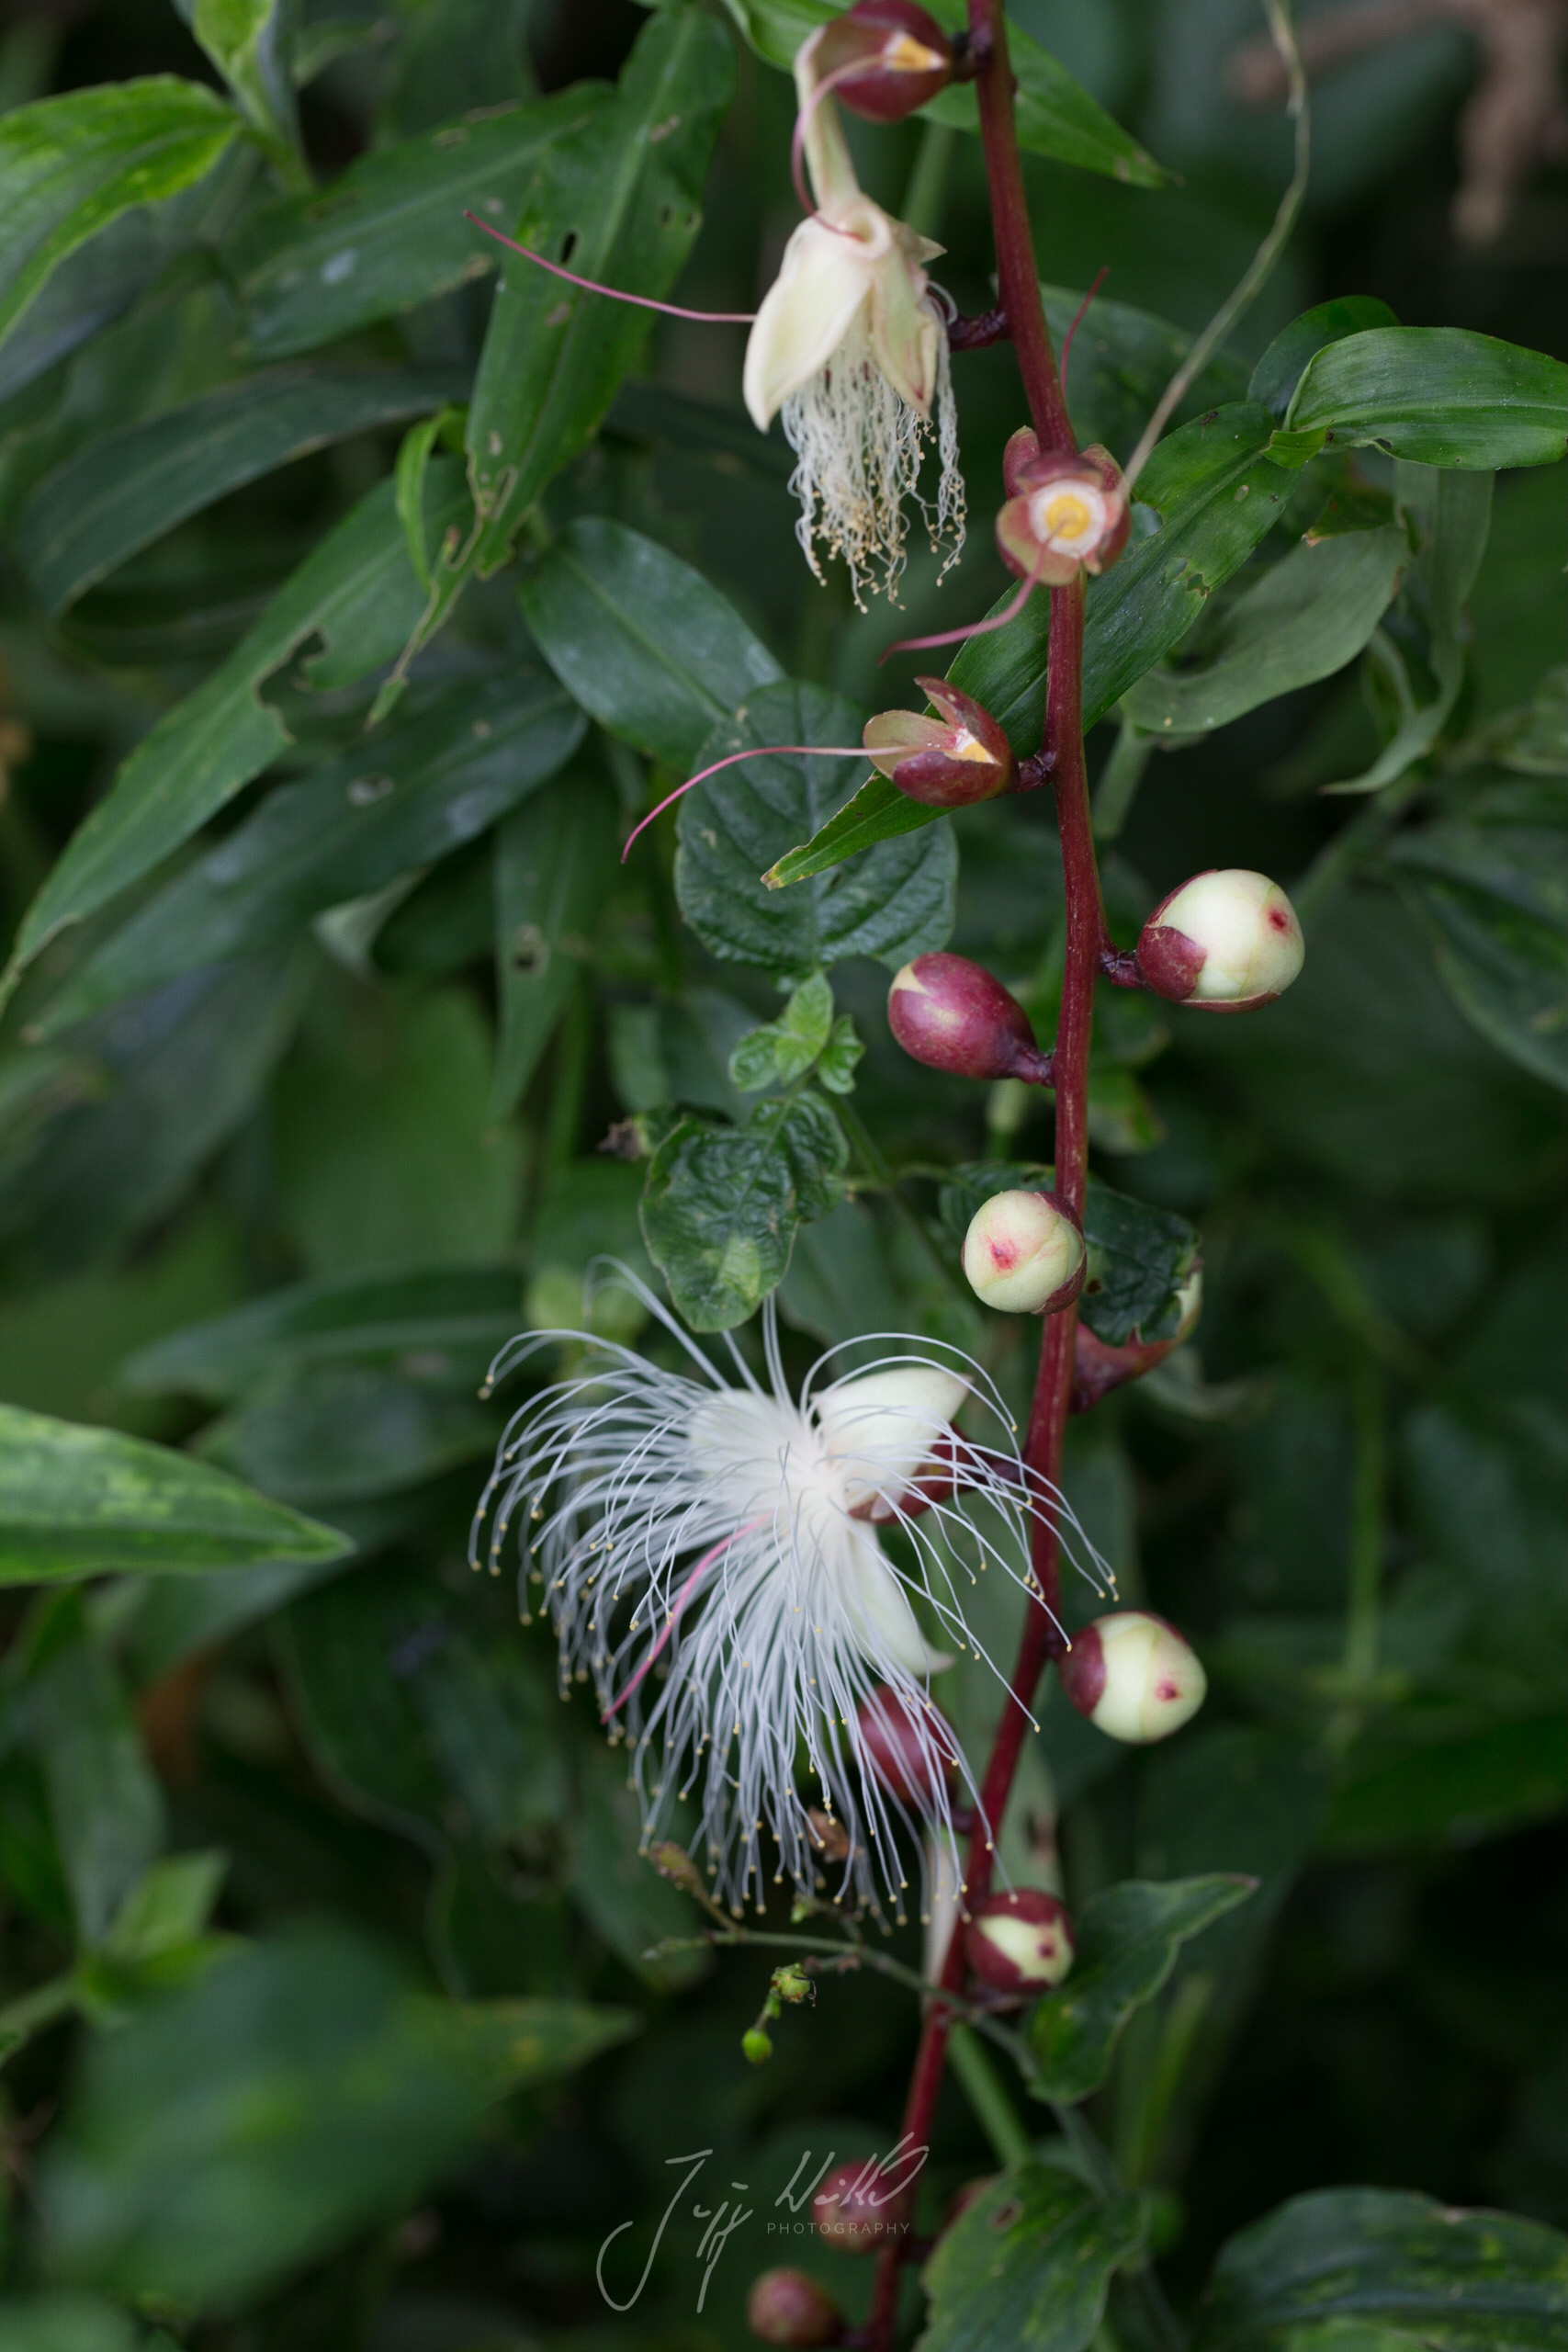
877,1608
881,1427
804,317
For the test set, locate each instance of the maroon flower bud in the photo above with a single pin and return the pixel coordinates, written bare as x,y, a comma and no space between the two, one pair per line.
860,2206
789,2307
906,1751
953,1015
1064,514
1133,1677
887,59
1023,1253
1021,1942
1225,942
946,763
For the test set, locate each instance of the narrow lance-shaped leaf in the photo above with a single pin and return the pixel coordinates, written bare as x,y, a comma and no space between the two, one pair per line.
390,233
621,199
357,591
248,40
1442,396
70,166
77,1501
121,492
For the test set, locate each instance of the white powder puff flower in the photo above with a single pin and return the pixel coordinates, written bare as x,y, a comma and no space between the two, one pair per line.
851,345
708,1551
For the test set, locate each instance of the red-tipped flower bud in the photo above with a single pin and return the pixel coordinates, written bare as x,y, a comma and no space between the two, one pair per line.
949,762
1133,1677
953,1015
1021,1942
859,2207
789,2307
1225,942
1023,1253
1064,514
893,58
906,1752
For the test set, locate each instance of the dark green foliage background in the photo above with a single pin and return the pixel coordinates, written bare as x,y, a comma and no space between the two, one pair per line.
302,1096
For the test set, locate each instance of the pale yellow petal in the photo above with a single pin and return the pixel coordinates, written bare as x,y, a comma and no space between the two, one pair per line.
806,313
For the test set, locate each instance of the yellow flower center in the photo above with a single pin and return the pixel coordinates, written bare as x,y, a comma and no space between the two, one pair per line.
904,54
965,746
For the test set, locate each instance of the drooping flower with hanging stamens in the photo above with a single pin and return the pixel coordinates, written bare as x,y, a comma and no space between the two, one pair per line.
850,348
709,1550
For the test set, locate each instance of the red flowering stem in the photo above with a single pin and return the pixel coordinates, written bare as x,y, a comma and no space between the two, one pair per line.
1062,759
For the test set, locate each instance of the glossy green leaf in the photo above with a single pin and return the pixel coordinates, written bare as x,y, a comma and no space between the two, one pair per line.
1119,362
555,863
401,800
116,494
329,1435
74,1502
1028,2264
1282,366
722,1203
623,195
1057,115
1128,1940
390,233
1419,2272
296,2094
648,646
615,1884
462,1314
735,826
67,2323
1305,618
357,591
1442,396
70,166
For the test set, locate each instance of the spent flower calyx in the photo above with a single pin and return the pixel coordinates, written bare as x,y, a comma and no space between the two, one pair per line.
948,761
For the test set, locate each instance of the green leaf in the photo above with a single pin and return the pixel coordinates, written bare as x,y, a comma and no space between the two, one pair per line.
1128,1940
70,166
615,1884
76,1502
248,42
1306,618
119,492
105,1807
401,800
390,233
623,196
1056,114
1442,396
1139,1255
734,826
648,646
460,1312
1282,366
1027,2266
357,591
295,2094
1413,2270
1121,361
555,863
330,1435
782,1051
1485,880
169,1906
67,2323
722,1205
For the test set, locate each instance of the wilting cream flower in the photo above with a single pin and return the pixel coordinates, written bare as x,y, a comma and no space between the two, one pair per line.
708,1551
850,346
